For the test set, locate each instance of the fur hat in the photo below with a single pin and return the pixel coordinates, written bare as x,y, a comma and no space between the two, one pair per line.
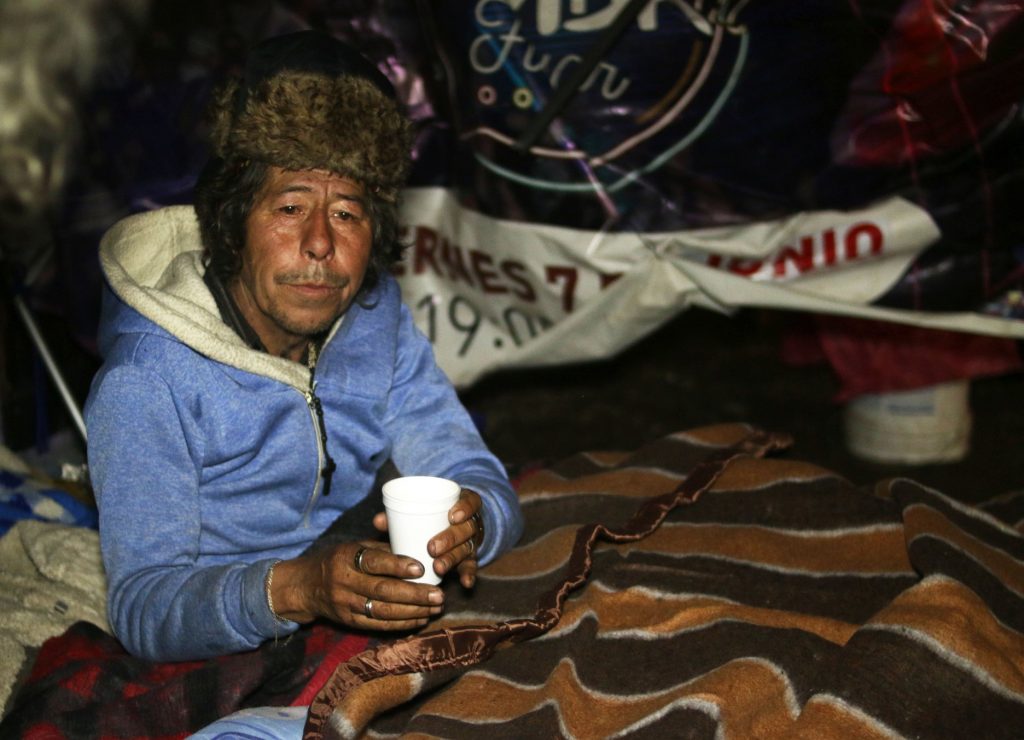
308,101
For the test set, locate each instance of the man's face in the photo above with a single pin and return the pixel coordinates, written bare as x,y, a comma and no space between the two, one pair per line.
308,241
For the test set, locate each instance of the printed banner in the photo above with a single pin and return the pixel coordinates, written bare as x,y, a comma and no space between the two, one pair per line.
492,293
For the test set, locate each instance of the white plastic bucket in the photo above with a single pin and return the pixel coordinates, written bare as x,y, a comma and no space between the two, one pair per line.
417,507
925,425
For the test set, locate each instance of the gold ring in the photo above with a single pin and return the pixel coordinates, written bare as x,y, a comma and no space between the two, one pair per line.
359,558
368,609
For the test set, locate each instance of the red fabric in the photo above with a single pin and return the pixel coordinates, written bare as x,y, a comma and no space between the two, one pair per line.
337,655
84,684
940,86
878,357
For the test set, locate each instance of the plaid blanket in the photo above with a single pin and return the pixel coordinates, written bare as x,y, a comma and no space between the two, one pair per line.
785,603
84,685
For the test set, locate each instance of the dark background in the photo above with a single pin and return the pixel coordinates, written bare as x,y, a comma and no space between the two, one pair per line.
705,368
140,147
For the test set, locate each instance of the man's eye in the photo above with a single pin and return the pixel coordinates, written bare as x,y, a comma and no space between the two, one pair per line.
290,210
345,215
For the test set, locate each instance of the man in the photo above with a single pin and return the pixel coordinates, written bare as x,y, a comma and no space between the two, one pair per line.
252,389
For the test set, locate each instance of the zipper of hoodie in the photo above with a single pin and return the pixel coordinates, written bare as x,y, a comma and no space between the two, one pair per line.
325,465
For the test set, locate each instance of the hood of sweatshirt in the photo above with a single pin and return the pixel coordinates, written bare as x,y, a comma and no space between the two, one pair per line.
153,264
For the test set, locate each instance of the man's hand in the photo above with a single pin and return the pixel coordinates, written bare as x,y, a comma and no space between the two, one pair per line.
368,593
458,544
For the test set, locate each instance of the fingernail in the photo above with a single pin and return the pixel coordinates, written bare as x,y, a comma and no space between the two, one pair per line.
436,597
414,569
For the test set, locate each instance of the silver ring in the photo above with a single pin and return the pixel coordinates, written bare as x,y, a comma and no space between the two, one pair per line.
359,558
368,609
472,547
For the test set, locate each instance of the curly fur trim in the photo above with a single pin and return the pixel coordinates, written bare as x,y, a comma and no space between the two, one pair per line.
299,120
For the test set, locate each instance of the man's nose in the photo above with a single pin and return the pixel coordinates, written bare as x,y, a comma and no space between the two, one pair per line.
318,238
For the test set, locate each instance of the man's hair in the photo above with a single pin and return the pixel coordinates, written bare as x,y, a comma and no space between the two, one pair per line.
224,197
304,101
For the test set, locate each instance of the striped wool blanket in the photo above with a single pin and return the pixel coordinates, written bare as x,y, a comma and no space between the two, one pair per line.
701,588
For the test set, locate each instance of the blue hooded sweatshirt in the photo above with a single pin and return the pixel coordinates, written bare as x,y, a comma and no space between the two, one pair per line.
205,454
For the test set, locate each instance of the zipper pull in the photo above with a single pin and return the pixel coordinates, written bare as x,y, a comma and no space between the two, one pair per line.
327,472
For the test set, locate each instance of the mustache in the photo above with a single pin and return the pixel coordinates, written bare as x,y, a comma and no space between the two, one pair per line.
315,277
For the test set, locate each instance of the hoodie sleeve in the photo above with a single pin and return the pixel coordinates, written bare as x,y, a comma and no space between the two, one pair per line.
433,434
144,459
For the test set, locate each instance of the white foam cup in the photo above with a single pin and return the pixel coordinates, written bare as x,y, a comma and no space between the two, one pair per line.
417,507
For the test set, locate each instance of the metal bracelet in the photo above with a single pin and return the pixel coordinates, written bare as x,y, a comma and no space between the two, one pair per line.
268,583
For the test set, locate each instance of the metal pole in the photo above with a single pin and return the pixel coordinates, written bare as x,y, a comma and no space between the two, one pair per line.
51,366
